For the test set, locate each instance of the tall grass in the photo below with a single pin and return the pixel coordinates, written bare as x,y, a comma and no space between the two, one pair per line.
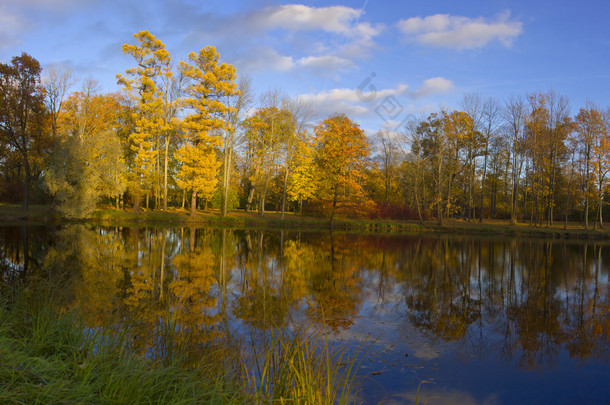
51,357
302,368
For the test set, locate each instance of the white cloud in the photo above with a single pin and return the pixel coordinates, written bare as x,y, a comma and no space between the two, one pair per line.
353,95
369,101
353,102
433,86
357,37
322,38
265,58
298,17
444,30
329,62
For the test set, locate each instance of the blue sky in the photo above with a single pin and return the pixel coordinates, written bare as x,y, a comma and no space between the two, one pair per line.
376,61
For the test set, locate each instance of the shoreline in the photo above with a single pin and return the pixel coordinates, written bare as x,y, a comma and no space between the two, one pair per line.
12,215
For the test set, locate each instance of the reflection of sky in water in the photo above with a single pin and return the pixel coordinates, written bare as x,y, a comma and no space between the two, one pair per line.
516,292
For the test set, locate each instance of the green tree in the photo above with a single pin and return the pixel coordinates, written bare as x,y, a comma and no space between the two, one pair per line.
87,161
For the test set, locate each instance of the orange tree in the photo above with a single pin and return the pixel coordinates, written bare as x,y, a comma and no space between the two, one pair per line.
341,157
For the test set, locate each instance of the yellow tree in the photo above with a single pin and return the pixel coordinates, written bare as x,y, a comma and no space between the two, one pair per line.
302,114
601,164
142,84
301,180
341,157
590,127
266,133
209,84
547,128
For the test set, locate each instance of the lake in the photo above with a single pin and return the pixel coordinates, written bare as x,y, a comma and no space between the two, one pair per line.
452,319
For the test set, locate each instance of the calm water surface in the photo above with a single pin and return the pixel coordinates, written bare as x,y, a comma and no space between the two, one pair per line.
467,320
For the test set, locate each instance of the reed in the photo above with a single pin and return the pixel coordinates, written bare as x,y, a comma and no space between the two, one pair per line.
49,356
302,367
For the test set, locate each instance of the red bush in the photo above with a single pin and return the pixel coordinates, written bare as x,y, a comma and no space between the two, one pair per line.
396,211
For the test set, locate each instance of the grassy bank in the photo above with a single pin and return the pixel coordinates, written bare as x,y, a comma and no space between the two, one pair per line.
50,356
12,214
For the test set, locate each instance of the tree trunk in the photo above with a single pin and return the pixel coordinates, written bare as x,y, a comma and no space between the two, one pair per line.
166,163
483,183
26,191
136,202
470,184
226,178
332,212
250,199
262,202
284,193
586,212
421,221
194,203
226,181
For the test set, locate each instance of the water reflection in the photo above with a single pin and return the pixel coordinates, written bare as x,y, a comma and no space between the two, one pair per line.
519,304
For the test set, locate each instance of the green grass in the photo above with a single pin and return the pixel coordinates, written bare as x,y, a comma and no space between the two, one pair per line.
14,214
51,357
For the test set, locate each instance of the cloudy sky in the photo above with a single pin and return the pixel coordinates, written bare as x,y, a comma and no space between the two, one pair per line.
377,61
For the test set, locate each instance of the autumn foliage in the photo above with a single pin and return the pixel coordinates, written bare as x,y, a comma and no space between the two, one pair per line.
188,135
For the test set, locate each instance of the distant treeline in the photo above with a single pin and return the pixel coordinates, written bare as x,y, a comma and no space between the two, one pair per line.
179,135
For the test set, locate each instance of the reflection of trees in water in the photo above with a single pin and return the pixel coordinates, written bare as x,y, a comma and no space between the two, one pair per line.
533,294
264,299
525,299
437,289
22,251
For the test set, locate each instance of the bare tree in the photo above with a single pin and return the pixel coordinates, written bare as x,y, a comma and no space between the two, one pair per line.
559,127
388,149
472,104
514,115
491,118
410,144
57,82
239,106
